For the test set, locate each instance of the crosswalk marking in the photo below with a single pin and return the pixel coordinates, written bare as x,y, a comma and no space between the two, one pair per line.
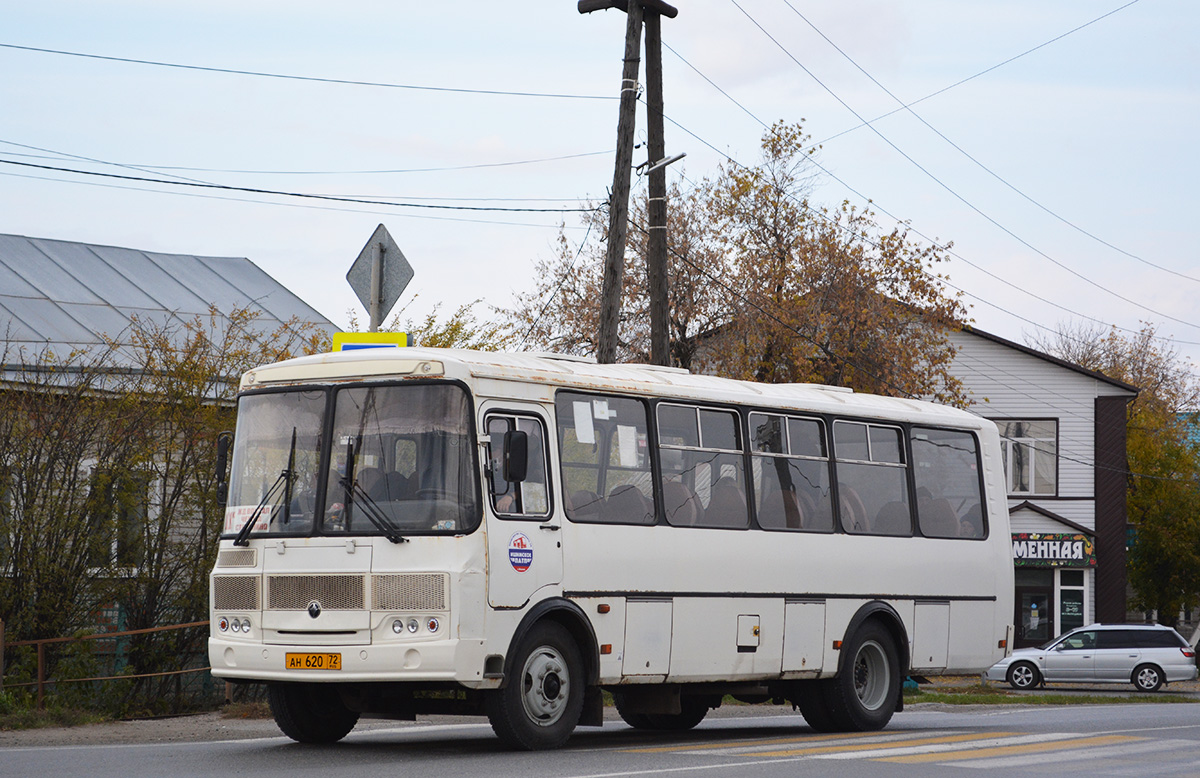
948,747
862,750
1141,745
1024,748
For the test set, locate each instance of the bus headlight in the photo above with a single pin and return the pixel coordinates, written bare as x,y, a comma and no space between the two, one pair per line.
397,626
413,625
223,624
432,625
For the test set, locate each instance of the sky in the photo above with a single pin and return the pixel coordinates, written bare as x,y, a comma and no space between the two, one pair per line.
1055,149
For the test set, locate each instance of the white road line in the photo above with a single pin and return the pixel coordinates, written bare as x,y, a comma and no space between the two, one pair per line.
815,742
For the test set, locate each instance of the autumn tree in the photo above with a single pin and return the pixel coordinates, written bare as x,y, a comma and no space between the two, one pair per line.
765,286
1164,459
108,494
824,294
562,312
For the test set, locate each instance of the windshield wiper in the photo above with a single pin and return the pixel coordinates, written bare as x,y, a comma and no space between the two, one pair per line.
284,479
370,509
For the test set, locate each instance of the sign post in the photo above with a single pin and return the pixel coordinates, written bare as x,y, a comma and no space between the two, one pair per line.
379,275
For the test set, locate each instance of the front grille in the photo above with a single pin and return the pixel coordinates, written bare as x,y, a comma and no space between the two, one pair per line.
412,591
334,592
236,557
235,592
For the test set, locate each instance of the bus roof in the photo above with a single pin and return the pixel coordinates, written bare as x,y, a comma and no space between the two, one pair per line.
563,371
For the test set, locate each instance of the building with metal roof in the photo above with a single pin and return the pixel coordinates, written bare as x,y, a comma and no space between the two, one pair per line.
68,296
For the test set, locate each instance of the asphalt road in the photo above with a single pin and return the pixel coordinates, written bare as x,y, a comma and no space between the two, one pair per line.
925,740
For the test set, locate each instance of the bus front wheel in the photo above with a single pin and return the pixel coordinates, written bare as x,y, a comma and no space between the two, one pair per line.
540,704
310,712
864,696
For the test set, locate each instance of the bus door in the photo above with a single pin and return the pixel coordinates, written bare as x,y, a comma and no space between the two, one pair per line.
523,531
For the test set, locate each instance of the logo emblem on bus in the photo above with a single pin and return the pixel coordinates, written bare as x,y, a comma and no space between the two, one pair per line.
520,552
314,609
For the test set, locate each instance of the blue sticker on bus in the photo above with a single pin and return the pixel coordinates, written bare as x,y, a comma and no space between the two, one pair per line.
520,552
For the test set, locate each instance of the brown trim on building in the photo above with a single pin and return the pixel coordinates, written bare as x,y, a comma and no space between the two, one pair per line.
1111,479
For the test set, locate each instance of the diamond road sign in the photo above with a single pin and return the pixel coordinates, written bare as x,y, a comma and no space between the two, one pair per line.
394,272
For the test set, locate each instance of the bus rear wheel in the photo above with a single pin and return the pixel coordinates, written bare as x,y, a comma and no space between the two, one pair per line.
310,712
540,704
864,696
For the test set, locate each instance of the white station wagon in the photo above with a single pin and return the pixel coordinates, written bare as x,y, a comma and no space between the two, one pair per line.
1146,655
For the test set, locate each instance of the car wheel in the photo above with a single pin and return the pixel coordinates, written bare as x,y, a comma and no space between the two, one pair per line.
1023,675
1147,678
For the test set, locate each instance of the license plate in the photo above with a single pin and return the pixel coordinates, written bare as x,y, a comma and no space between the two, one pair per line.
313,661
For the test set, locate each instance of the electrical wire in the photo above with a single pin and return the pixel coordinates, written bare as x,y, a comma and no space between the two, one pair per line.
275,203
949,189
254,190
979,164
292,77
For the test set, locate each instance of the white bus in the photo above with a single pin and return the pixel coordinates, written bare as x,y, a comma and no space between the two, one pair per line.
420,530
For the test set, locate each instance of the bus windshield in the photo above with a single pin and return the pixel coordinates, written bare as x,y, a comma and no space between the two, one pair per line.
387,460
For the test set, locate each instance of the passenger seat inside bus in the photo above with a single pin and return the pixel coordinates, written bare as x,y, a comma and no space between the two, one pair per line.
727,507
584,505
625,504
682,506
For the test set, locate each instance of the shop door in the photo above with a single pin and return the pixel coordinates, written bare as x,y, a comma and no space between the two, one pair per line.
1035,616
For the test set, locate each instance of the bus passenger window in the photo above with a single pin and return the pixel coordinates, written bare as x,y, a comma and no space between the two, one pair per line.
790,471
949,492
703,473
603,445
873,496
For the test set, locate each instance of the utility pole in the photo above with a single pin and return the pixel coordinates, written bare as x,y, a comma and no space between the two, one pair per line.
618,218
656,241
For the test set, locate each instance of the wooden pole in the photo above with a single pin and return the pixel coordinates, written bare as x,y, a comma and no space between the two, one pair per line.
376,312
656,241
41,679
618,205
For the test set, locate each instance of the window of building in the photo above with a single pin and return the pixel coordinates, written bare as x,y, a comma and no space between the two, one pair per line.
117,511
1030,452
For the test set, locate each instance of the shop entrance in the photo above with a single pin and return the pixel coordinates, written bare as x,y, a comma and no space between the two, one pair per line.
1034,601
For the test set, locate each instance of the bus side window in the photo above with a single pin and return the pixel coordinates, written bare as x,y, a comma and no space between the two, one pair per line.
872,479
949,493
604,454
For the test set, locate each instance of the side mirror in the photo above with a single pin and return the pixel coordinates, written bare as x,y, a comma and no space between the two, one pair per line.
224,441
516,455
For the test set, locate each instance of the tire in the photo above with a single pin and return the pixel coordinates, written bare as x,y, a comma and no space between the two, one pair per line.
541,702
1147,678
310,712
1023,675
864,695
811,703
691,713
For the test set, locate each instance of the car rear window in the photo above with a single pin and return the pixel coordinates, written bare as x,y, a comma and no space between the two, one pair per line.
1160,639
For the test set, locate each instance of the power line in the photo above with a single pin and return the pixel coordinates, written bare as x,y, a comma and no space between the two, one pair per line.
950,190
147,168
980,165
281,193
292,77
310,206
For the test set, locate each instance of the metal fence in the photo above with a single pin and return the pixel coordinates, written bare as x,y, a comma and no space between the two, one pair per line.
42,681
